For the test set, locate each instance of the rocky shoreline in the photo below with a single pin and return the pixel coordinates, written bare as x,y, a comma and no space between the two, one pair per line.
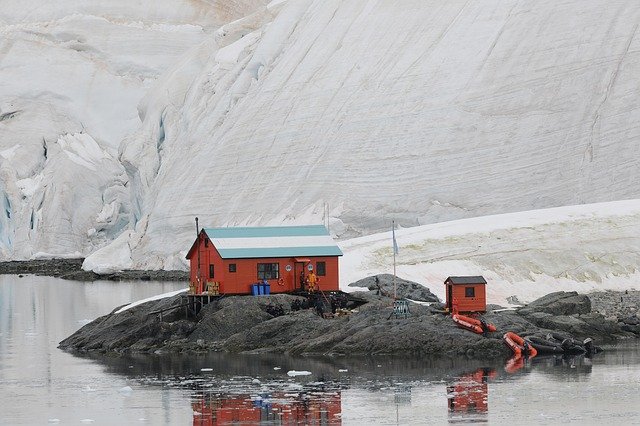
283,324
71,269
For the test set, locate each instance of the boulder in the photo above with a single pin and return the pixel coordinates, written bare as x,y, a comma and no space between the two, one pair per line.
559,303
235,314
383,284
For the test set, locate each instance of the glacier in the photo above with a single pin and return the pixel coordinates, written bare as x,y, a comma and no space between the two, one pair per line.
267,113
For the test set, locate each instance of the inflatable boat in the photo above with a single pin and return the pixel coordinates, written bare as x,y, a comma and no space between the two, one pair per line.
518,345
544,346
556,344
472,324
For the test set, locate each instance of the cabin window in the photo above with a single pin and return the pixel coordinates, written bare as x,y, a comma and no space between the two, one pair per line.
210,271
321,269
469,292
232,267
206,242
268,271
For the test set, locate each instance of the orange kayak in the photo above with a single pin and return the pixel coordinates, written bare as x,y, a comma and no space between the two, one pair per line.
518,345
472,324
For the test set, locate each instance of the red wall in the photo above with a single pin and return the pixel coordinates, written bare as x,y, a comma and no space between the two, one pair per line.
478,303
239,282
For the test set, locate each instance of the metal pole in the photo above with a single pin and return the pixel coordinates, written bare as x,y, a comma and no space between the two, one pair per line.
393,232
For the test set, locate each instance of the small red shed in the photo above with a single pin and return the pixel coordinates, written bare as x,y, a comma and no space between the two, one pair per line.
467,294
231,260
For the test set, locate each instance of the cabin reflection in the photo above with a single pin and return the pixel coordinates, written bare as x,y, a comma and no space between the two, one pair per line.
277,408
467,397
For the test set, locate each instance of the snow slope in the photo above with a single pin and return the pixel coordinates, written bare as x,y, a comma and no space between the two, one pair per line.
419,111
416,110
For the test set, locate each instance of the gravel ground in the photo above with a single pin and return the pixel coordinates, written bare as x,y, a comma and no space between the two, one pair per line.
616,304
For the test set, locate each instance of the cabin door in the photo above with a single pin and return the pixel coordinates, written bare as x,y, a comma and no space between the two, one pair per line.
450,297
299,274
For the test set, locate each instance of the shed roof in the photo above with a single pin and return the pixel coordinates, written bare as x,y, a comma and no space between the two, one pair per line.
273,241
466,280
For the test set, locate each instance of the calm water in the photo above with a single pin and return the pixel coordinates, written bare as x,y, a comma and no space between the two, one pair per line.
40,384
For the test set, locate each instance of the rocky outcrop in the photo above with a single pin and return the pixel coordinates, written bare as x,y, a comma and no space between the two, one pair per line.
71,269
384,284
288,324
559,303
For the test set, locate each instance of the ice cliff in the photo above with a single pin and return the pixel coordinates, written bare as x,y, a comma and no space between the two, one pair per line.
416,110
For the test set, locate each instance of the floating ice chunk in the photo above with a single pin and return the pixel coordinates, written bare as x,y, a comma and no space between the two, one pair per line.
298,373
126,390
255,381
89,389
206,369
277,368
342,370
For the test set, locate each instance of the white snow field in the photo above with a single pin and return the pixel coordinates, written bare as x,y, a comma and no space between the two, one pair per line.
582,248
421,111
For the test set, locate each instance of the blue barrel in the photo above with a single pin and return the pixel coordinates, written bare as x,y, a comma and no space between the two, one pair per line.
261,289
267,288
255,289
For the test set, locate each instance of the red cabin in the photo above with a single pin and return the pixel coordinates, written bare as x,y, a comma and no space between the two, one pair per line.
466,294
231,260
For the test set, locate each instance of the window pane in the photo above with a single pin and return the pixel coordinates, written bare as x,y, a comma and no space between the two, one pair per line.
321,268
469,292
268,271
210,271
232,267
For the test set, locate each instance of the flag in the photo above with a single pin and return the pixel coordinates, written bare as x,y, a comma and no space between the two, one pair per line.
393,233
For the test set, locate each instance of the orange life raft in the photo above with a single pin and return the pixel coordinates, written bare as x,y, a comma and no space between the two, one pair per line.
472,324
518,345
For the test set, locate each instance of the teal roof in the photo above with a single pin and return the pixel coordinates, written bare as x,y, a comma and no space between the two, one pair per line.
267,231
273,241
250,253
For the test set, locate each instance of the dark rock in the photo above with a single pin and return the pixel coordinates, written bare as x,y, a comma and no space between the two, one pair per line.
71,269
559,303
634,320
236,314
383,285
635,329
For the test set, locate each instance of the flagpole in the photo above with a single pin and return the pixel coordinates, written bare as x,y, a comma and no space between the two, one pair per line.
395,249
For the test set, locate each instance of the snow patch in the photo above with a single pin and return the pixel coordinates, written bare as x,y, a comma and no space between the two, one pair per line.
149,299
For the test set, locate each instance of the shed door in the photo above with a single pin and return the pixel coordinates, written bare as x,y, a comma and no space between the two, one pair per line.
450,297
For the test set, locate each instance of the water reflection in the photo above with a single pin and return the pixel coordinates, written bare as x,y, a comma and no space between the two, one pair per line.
308,407
559,367
565,368
468,396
